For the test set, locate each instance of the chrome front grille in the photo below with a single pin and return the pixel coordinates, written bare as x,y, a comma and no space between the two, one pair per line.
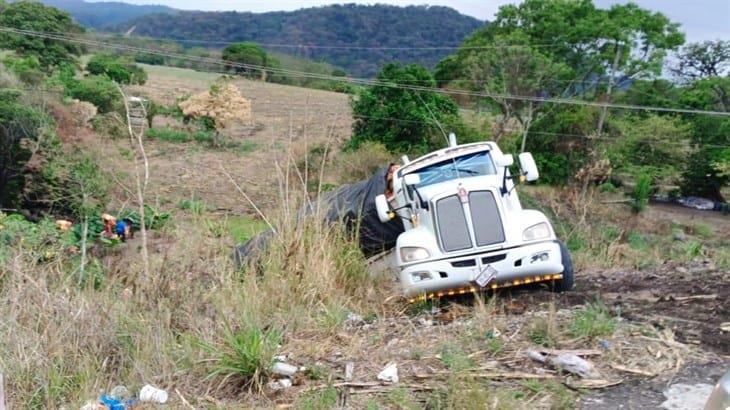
452,224
485,218
486,224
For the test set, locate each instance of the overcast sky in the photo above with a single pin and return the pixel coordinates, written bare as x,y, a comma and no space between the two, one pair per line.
700,19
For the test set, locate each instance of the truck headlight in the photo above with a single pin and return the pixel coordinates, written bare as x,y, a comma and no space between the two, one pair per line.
411,254
538,231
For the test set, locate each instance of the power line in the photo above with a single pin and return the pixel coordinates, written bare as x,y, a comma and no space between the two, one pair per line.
362,81
651,141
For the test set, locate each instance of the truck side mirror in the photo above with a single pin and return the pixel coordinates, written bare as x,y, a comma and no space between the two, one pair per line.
528,166
412,179
384,212
504,160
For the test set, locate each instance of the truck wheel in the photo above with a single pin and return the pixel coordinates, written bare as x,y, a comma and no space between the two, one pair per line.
566,283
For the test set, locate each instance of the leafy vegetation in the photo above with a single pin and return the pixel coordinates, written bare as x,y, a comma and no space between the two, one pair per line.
337,25
405,121
117,69
31,15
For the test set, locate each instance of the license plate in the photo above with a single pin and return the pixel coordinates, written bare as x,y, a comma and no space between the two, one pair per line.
486,276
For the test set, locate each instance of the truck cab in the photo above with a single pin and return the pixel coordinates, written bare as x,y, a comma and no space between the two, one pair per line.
465,228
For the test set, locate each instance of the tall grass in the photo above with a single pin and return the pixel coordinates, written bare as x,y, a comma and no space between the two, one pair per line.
201,325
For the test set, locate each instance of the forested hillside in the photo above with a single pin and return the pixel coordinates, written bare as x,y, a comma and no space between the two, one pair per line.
105,14
377,29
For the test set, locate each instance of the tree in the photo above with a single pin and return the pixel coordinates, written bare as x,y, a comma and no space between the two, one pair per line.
513,68
31,15
249,54
20,134
402,119
706,171
587,38
703,60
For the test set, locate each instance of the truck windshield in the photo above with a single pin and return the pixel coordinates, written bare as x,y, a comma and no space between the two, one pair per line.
472,165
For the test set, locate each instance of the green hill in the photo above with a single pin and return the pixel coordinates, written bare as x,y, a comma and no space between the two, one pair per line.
325,33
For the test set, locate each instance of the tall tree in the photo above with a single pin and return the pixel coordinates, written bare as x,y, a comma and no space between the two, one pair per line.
513,68
249,54
31,15
404,120
703,60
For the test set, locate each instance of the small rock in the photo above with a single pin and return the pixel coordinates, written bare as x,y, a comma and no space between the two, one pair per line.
425,322
280,384
574,364
353,319
679,235
604,344
389,374
686,397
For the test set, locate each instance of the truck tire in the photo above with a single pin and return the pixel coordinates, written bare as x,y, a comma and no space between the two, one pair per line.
566,283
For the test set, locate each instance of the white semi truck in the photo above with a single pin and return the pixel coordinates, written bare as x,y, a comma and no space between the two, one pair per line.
465,228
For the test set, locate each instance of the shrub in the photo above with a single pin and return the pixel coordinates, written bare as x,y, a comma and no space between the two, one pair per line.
97,90
27,69
117,69
151,59
642,192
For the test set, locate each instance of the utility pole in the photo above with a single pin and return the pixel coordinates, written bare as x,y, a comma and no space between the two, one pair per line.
604,111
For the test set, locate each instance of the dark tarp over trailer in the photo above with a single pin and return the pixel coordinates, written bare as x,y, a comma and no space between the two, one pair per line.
353,205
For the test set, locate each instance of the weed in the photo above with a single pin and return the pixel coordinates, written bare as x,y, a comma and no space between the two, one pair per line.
637,241
593,321
642,191
495,346
692,250
608,187
610,233
702,230
318,373
243,228
323,399
562,398
333,316
416,353
126,154
544,329
243,353
455,359
400,399
194,206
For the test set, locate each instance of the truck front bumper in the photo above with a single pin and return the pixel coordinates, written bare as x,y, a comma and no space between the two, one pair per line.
523,262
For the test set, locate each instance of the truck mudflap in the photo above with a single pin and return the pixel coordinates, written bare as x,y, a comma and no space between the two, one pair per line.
537,262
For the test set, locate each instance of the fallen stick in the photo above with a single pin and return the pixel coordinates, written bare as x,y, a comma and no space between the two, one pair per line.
578,352
185,402
494,375
592,384
2,392
632,370
693,297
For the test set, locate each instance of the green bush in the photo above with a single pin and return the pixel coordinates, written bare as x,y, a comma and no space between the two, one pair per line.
151,59
642,192
28,69
178,136
117,69
97,90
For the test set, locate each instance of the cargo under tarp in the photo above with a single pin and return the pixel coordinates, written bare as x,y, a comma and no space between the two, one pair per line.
353,205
